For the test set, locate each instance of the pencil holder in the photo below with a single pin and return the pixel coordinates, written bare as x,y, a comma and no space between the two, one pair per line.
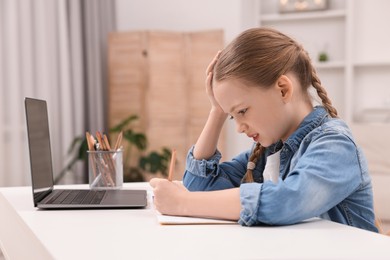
105,169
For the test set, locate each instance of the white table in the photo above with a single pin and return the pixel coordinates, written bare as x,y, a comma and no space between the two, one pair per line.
28,233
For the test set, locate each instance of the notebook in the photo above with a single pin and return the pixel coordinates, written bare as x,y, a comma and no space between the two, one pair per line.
45,196
178,220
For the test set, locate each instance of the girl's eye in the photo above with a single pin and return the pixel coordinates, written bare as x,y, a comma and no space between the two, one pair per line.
240,112
243,111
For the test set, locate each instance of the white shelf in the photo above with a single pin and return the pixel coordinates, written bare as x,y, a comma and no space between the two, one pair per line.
362,64
360,123
349,31
374,115
329,14
329,65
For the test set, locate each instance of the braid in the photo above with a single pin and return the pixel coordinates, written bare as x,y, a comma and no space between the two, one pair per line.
257,152
323,94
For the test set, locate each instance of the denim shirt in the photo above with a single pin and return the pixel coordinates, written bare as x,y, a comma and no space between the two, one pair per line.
322,174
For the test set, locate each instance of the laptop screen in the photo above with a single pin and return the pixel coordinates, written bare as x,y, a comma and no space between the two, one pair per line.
39,147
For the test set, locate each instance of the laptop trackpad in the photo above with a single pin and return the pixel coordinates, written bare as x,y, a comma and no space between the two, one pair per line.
135,198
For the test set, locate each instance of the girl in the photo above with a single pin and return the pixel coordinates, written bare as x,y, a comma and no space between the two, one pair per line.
305,162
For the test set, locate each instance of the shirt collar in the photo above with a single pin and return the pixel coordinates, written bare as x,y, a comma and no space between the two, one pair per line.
310,122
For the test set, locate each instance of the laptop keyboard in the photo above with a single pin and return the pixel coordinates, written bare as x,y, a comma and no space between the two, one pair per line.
78,197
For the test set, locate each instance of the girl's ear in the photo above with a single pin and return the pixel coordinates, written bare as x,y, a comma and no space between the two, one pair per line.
285,87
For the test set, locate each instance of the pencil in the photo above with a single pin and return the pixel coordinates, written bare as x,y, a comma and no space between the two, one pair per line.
118,141
107,144
172,165
89,142
107,160
100,141
91,147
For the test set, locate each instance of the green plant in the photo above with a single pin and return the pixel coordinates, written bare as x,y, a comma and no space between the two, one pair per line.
323,56
136,161
136,143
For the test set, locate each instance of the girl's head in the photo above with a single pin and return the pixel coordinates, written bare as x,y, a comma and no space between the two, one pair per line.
260,56
263,77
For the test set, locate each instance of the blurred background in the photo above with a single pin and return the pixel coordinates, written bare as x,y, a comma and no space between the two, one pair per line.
97,62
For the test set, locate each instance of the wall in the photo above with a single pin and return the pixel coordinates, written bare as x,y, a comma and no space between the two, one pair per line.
197,15
179,15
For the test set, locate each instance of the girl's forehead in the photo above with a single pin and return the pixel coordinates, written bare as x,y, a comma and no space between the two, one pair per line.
232,93
235,87
231,83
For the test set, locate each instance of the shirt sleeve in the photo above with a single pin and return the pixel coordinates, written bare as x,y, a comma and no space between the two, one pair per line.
250,201
205,175
325,174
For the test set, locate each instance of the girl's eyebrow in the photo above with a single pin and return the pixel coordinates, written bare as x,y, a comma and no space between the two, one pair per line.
235,107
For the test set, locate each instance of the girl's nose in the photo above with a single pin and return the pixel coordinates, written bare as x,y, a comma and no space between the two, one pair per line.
241,127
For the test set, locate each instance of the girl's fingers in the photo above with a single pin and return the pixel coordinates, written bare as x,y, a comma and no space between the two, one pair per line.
153,182
209,80
212,63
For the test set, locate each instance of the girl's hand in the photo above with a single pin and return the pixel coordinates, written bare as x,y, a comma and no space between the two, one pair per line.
209,84
206,145
169,196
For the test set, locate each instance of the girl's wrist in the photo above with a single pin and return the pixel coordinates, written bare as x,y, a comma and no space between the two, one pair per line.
185,204
218,112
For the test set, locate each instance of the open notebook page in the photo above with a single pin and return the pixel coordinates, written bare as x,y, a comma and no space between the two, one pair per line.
177,220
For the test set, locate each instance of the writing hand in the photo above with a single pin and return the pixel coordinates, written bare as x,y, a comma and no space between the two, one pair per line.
169,196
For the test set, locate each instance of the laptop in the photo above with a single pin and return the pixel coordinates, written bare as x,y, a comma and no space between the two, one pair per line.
45,196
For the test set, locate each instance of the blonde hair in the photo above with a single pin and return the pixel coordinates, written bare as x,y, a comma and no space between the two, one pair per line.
260,56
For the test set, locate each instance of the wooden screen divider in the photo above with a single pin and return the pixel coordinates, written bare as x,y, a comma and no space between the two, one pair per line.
160,76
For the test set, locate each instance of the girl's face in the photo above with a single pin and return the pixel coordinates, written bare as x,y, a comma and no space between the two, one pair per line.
266,115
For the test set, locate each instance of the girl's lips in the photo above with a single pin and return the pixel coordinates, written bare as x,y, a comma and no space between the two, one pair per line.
255,137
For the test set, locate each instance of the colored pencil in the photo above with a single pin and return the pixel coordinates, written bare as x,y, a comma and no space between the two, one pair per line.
172,165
